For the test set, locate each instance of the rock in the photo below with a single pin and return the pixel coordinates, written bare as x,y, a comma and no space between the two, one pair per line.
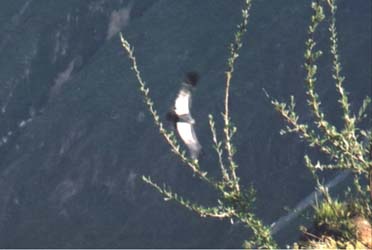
363,231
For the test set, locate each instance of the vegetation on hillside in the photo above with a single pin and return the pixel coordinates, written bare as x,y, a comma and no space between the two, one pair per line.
346,149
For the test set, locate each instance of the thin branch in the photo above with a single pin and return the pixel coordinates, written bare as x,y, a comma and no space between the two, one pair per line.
337,65
229,129
362,110
169,137
213,212
336,139
219,151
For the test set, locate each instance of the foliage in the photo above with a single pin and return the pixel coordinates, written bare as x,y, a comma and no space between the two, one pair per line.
334,218
234,203
327,242
336,227
346,148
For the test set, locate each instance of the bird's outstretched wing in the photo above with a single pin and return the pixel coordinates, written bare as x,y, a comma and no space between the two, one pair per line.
188,136
182,103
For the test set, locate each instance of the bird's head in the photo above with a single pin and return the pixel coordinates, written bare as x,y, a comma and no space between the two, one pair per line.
192,78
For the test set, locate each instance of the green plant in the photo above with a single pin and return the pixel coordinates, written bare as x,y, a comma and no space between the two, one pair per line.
345,148
334,218
235,202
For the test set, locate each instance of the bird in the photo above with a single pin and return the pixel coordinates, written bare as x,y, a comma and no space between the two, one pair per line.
181,118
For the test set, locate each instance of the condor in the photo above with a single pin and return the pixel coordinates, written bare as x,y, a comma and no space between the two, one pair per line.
181,118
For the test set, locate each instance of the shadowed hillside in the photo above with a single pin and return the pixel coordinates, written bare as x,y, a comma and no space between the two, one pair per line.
75,136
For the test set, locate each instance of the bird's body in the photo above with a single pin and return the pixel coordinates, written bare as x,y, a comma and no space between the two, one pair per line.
181,117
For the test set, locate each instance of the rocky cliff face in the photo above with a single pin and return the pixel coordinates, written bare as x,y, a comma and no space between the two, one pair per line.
75,137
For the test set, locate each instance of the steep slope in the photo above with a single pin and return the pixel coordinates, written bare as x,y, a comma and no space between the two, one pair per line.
81,137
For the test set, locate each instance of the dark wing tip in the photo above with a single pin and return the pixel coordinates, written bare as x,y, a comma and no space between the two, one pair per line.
192,78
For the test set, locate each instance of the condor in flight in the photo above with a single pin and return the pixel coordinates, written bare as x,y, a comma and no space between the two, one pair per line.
181,118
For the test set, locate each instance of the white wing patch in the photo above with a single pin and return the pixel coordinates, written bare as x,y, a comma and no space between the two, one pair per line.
187,134
182,103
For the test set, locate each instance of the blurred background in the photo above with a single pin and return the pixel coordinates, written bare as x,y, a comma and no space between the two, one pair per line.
75,136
